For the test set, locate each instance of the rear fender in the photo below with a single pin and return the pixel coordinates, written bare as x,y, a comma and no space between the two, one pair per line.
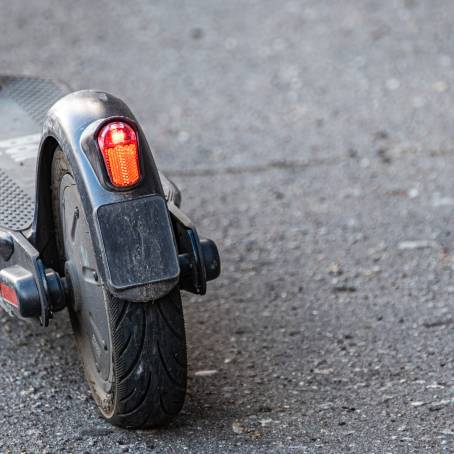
123,242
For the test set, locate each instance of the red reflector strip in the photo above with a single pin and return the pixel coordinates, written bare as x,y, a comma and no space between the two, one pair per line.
9,295
122,165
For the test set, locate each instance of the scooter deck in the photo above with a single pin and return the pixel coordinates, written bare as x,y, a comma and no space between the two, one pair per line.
24,103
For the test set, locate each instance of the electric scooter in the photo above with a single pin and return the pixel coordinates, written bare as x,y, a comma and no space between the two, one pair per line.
88,223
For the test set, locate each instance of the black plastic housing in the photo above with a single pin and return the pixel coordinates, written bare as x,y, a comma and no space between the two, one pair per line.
24,284
72,124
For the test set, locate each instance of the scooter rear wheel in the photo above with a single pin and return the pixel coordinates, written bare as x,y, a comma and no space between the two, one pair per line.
133,354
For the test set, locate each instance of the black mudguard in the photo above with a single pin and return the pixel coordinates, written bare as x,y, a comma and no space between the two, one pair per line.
136,254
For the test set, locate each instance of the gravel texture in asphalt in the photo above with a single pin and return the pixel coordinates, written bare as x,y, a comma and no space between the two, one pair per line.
313,141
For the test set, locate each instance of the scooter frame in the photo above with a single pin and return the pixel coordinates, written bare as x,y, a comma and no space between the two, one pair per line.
29,259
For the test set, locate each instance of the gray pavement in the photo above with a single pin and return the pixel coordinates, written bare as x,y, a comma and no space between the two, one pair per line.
314,142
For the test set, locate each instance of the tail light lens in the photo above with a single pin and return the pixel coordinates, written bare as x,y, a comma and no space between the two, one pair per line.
9,295
118,144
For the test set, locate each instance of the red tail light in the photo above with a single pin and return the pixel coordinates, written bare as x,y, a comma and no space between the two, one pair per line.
118,144
9,295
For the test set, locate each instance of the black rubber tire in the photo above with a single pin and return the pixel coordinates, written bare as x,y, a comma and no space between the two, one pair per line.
147,345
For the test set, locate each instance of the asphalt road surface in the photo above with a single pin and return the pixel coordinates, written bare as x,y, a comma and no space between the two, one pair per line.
313,142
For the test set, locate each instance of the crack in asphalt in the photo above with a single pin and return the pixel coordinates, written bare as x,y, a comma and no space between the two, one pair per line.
259,168
296,164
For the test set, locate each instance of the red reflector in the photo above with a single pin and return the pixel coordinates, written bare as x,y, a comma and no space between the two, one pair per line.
118,144
9,295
